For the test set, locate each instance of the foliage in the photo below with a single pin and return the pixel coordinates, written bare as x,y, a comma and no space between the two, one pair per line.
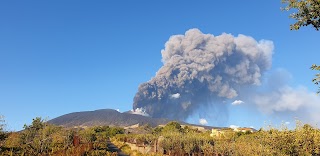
41,138
37,138
157,130
109,131
308,13
2,123
2,126
88,135
173,139
316,80
304,140
172,127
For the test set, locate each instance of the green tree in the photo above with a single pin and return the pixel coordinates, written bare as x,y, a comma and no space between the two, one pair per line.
36,124
306,12
157,130
88,135
2,126
31,139
172,127
2,123
316,80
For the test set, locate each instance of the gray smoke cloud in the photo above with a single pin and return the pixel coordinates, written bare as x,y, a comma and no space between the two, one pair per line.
280,99
201,70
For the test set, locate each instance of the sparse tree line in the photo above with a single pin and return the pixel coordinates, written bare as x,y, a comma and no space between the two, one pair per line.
41,138
174,140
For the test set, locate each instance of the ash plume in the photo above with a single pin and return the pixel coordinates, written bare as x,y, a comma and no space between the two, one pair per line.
201,70
278,98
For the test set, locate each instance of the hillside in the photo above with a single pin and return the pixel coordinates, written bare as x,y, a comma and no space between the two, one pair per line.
105,117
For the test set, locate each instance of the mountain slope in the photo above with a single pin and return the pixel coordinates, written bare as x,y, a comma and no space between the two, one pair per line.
105,117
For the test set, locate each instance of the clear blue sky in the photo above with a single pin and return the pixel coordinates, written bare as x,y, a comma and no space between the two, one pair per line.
58,57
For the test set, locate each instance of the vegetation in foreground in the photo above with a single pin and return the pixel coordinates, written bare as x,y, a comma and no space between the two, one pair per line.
40,138
174,140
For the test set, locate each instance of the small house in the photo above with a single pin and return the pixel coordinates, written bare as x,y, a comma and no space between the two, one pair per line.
216,133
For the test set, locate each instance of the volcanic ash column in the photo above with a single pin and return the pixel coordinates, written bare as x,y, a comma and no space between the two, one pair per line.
201,70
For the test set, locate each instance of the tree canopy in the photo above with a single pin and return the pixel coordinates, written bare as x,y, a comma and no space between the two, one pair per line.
2,126
2,123
307,13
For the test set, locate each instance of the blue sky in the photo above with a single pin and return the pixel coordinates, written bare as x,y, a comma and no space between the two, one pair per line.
58,57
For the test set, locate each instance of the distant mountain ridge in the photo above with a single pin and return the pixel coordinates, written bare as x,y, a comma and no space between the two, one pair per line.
105,117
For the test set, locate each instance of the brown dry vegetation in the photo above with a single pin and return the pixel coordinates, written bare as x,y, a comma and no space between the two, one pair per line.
304,140
43,139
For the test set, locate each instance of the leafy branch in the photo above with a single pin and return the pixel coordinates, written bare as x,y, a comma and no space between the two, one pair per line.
308,13
316,80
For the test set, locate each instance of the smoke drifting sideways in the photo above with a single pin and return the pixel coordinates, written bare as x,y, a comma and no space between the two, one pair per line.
202,70
277,98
